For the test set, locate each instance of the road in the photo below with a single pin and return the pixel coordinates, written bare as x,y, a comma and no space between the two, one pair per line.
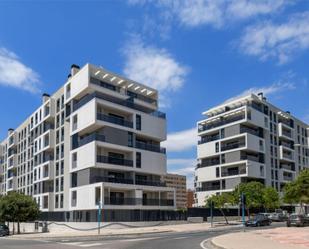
183,240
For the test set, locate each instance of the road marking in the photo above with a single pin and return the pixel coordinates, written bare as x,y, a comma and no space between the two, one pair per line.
71,243
181,238
203,242
90,245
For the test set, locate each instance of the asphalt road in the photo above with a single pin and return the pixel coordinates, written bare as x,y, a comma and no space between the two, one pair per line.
183,240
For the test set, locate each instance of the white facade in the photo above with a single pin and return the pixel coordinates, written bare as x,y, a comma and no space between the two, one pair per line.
96,140
248,139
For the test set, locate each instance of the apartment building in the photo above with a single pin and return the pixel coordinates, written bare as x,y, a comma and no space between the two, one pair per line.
179,183
248,139
190,198
94,142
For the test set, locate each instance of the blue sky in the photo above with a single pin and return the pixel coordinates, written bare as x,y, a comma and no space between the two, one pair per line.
198,53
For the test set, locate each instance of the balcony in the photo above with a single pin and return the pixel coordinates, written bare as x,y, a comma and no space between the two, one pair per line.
99,137
220,123
114,120
209,139
233,172
116,161
208,163
138,201
150,183
232,146
127,103
287,145
150,147
113,180
251,131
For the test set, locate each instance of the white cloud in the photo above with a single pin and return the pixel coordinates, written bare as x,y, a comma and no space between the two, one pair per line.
181,140
183,166
154,67
267,90
278,41
217,13
15,74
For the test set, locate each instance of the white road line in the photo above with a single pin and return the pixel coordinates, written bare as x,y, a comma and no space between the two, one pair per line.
71,243
203,242
90,245
181,238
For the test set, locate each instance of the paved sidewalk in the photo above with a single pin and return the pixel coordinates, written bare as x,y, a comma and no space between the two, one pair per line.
277,238
120,231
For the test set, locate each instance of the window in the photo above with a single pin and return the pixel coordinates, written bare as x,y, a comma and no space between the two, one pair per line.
74,123
138,160
45,202
74,198
97,195
74,160
217,172
130,139
56,201
222,133
138,122
217,147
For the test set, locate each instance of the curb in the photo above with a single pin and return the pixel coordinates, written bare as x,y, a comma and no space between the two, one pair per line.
92,237
214,245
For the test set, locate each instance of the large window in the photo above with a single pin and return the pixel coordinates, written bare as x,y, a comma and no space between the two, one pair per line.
138,160
138,122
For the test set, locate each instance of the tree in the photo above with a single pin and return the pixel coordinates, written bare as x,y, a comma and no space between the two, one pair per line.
16,207
298,190
253,192
220,201
271,199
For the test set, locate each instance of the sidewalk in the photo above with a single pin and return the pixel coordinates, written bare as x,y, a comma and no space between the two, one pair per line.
189,227
277,238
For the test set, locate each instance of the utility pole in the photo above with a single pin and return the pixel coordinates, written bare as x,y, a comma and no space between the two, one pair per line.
99,217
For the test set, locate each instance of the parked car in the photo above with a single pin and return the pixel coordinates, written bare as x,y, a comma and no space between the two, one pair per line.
4,230
258,220
278,217
298,220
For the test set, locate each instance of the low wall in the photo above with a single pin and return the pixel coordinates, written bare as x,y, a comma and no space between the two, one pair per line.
62,227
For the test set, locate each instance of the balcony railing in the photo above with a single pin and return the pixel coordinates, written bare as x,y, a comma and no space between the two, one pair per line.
233,172
114,120
98,137
150,183
138,201
150,147
220,123
287,134
113,179
232,146
208,163
127,103
253,158
209,188
250,131
113,160
287,145
208,139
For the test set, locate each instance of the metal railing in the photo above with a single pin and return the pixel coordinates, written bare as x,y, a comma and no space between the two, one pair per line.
209,139
234,172
232,146
114,120
150,147
220,123
114,160
150,183
127,103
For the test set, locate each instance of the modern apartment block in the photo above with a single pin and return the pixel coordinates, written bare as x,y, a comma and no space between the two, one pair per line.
248,139
179,183
95,141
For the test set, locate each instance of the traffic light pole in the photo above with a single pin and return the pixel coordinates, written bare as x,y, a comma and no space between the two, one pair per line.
99,217
243,209
211,213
